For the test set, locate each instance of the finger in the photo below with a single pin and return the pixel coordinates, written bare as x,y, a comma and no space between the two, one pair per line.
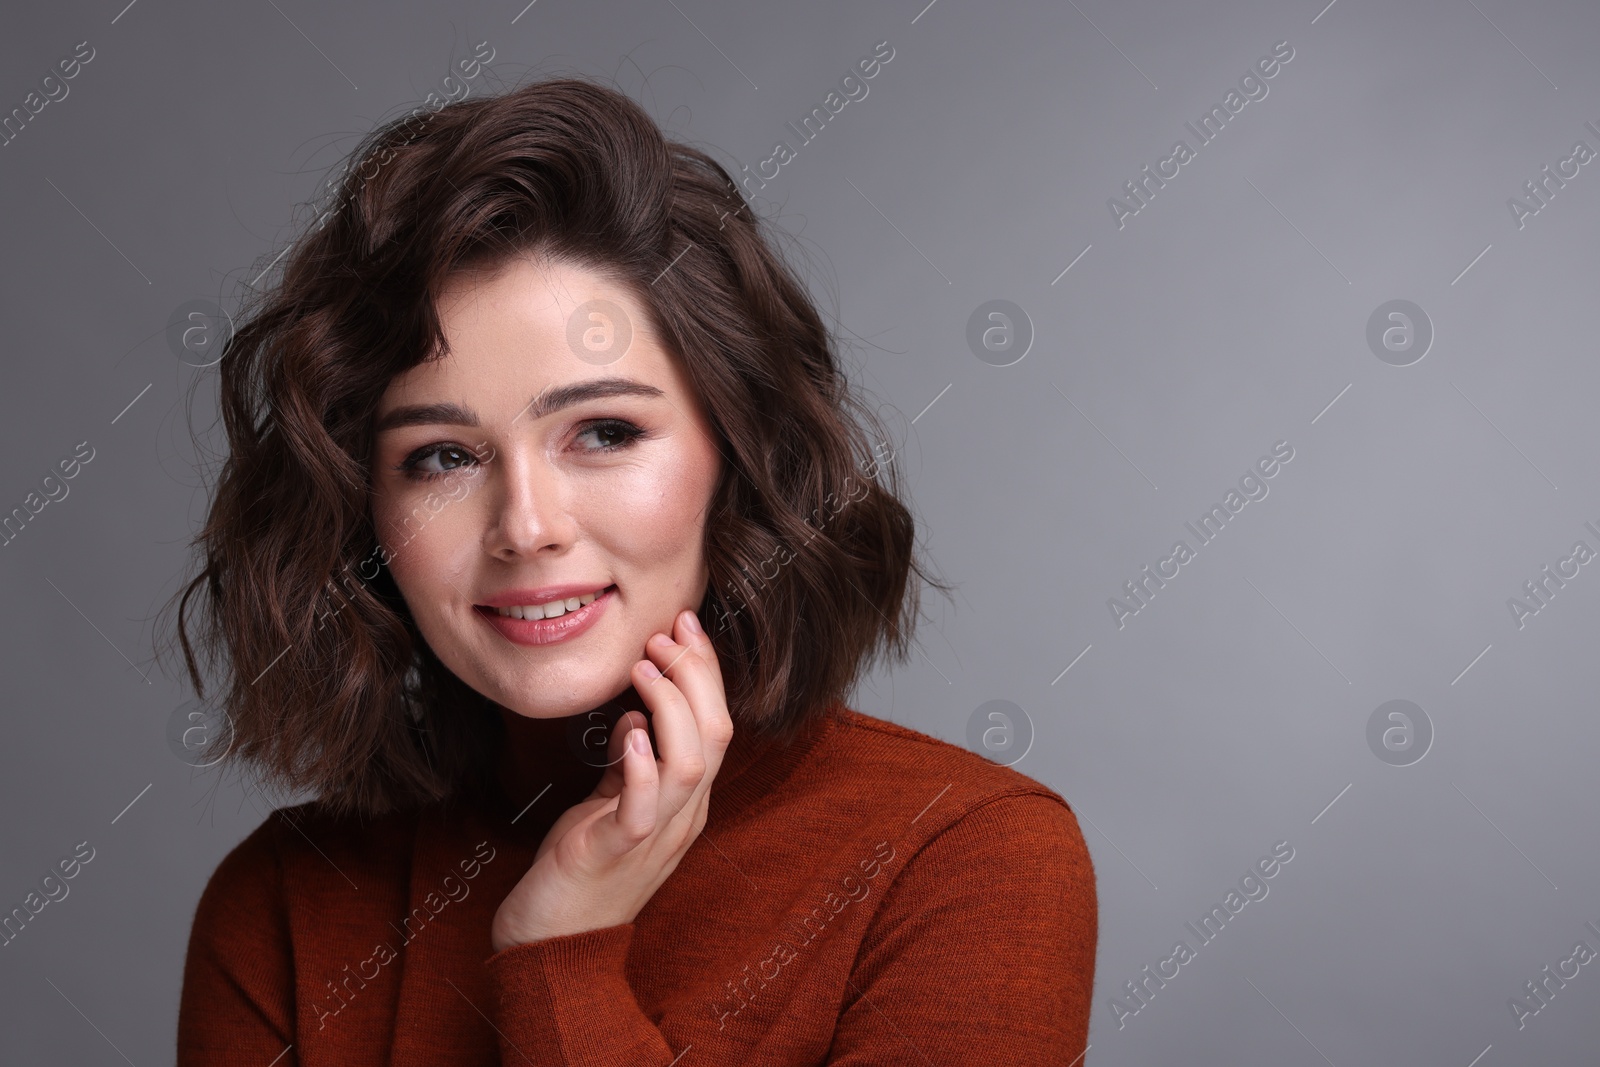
611,781
690,742
635,816
683,758
691,664
686,631
696,638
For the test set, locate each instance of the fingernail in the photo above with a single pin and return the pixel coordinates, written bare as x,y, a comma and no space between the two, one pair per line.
641,743
650,670
691,622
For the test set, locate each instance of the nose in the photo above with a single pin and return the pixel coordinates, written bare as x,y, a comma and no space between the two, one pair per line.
529,507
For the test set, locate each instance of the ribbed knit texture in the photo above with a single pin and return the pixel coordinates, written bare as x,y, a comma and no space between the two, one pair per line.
865,895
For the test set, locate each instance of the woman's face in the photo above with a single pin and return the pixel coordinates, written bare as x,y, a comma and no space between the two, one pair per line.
559,468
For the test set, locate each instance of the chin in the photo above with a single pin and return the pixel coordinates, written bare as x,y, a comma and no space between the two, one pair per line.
525,704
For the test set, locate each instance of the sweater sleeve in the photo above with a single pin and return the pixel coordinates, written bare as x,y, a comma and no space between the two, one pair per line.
567,1000
983,948
237,1004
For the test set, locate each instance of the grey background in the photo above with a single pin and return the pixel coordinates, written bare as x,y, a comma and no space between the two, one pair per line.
1224,317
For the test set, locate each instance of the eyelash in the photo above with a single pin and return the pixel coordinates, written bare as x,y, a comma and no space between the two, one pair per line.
628,431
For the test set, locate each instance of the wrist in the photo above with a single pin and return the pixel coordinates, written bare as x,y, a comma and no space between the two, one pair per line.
508,934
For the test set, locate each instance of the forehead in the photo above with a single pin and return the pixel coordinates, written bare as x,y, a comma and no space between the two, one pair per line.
531,324
525,285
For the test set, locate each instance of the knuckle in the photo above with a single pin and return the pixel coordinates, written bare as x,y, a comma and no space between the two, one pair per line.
691,770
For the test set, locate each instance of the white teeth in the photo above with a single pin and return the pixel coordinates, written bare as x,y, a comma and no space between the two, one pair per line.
554,609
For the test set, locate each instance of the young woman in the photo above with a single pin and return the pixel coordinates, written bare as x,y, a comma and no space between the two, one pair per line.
546,552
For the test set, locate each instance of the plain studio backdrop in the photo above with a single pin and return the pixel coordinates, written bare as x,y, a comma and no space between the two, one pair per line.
1160,336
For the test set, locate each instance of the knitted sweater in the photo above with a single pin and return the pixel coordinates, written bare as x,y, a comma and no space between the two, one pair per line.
867,894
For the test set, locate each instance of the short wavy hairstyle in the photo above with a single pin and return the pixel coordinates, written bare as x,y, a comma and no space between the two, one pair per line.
329,686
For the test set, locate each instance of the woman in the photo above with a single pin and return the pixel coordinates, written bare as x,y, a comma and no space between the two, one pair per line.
587,790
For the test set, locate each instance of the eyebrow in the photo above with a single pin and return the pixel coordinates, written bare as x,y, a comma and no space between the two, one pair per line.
548,401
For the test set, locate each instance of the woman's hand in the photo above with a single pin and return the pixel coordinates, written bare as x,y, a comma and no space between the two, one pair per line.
607,855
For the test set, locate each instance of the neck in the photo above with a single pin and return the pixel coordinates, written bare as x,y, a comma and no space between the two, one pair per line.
549,764
545,759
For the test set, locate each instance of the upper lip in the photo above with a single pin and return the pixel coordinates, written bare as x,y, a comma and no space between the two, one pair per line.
512,598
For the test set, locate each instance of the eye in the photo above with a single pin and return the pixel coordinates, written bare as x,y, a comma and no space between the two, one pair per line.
612,435
615,434
455,455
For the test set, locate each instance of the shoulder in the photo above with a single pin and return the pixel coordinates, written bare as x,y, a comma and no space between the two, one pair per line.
301,846
916,789
873,753
979,899
250,873
241,911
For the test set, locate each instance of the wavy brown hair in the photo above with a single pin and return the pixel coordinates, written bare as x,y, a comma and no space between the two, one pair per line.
327,681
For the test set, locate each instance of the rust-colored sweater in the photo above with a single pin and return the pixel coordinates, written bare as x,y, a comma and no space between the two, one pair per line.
866,895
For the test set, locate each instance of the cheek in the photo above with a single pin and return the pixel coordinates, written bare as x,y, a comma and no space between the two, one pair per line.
655,516
651,516
422,536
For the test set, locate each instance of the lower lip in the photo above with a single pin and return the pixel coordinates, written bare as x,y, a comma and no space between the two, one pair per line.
548,631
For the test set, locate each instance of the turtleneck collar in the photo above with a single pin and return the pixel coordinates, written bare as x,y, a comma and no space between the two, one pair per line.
548,765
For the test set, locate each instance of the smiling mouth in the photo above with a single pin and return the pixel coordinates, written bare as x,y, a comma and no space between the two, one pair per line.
552,610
